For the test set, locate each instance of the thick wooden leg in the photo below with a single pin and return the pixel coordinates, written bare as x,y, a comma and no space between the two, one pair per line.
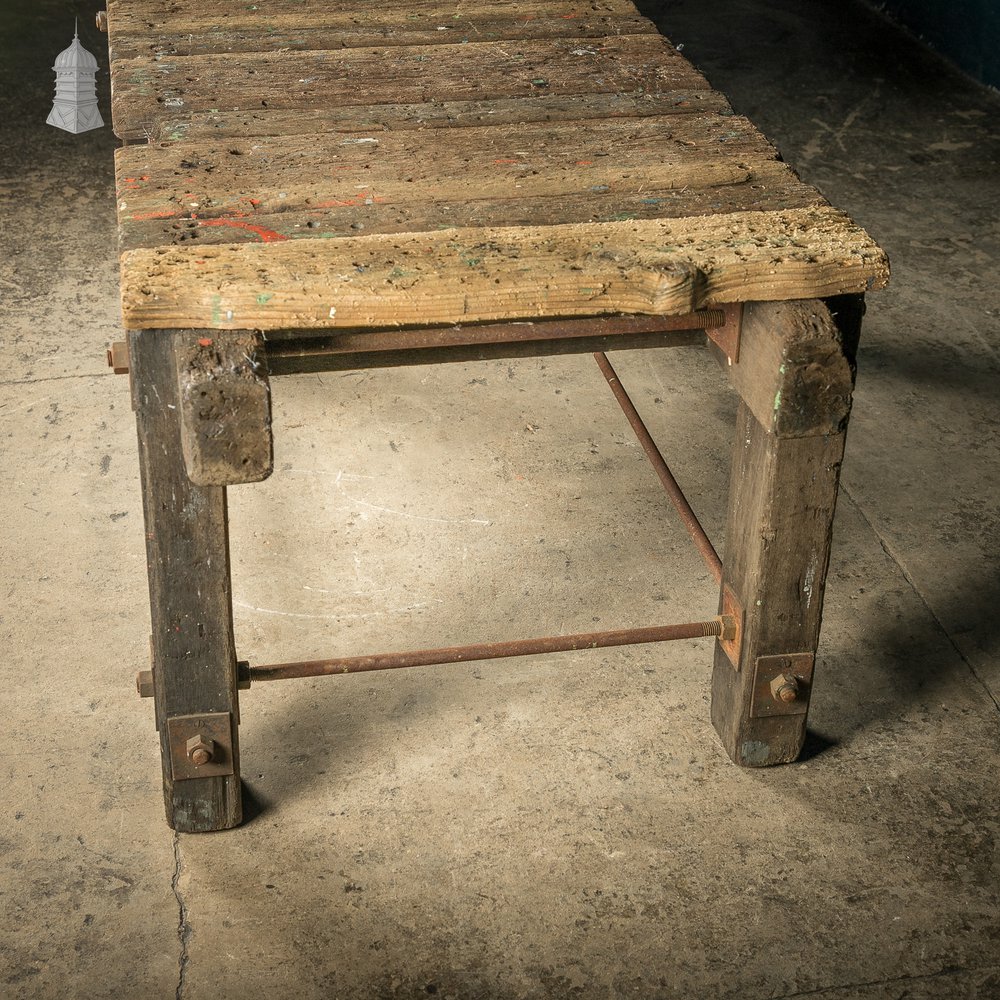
193,651
795,381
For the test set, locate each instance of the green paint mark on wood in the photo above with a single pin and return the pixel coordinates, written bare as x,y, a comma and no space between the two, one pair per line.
754,753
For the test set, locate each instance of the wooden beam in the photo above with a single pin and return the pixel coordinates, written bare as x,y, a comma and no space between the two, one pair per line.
783,489
193,650
224,401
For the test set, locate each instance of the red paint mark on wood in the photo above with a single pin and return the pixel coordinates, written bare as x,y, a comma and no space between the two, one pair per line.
266,235
142,216
205,342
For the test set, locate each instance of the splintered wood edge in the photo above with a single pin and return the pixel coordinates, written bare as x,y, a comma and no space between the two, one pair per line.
654,267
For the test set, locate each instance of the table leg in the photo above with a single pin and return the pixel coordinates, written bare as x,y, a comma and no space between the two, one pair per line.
795,380
193,650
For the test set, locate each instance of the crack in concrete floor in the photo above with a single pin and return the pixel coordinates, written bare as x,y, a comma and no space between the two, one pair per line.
183,925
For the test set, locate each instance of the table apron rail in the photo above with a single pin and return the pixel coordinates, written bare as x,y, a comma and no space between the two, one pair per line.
296,351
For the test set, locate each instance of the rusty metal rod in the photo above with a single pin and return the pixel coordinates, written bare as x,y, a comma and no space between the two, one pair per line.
701,540
723,626
720,626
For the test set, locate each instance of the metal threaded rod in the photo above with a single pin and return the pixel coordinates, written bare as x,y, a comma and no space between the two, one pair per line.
721,626
691,522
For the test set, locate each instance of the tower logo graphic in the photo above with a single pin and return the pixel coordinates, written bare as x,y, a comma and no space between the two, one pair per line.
75,106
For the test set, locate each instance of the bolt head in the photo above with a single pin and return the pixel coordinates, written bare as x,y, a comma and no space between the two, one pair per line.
785,688
200,750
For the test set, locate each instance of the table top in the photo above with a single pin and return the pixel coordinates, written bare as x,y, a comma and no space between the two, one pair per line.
294,165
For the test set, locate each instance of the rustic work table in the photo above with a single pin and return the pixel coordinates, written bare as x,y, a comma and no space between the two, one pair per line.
315,185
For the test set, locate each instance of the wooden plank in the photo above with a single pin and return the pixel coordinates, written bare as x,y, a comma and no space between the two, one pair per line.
153,30
194,657
771,186
145,91
664,267
783,490
217,125
125,16
287,364
327,174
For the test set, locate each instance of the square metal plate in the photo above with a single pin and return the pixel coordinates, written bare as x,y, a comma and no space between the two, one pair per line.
727,336
731,606
215,726
767,668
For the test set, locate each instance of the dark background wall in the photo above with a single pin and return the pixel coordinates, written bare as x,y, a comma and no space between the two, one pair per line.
966,31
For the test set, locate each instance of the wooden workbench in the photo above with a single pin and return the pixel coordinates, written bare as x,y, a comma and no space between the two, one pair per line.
385,186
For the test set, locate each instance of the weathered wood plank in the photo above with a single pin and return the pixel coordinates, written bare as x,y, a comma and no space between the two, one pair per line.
194,658
220,125
465,275
155,30
145,91
771,186
327,174
266,15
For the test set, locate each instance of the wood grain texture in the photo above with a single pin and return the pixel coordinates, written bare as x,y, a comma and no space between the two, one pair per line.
224,400
154,29
220,125
795,385
194,655
783,490
538,173
766,188
145,91
664,267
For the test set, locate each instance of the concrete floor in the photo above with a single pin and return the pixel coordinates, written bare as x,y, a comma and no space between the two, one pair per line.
556,827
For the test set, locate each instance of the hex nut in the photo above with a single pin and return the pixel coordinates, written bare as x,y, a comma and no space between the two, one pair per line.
200,750
785,687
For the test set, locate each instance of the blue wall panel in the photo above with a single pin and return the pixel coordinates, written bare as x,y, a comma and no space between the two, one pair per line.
966,31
